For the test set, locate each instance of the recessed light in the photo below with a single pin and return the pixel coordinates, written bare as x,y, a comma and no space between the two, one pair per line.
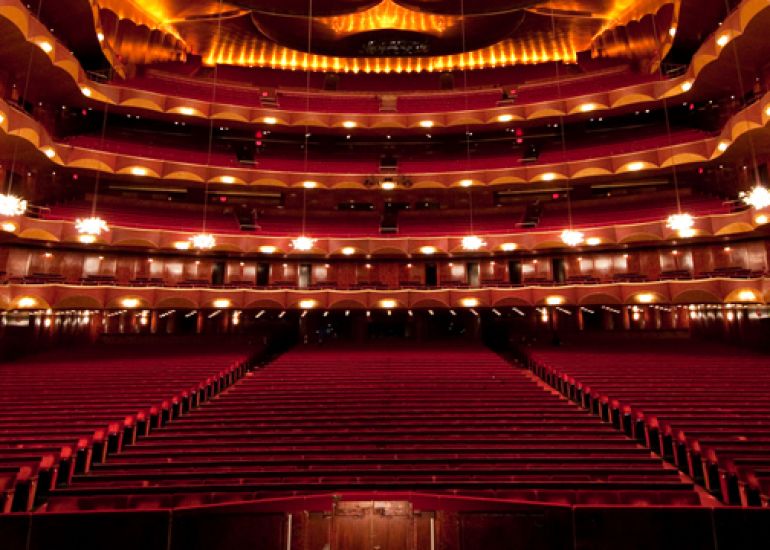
723,40
504,118
349,124
426,123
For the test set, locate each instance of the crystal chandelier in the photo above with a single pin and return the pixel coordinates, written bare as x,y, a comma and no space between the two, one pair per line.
203,241
570,237
472,242
91,226
682,224
303,243
11,205
758,198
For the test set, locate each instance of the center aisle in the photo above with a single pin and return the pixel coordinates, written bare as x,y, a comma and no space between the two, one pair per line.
317,420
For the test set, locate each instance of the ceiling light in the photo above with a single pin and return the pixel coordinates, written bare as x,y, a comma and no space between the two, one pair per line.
27,301
682,224
270,120
747,296
570,237
87,239
767,112
349,124
182,245
86,91
388,303
222,303
548,176
11,205
687,85
472,242
593,241
8,227
348,251
587,107
50,152
723,39
635,166
267,249
129,302
761,219
309,184
469,302
2,116
138,171
426,123
427,250
307,304
646,298
508,247
100,36
203,241
187,111
227,179
554,300
388,185
672,32
303,243
723,145
466,183
504,118
758,197
45,46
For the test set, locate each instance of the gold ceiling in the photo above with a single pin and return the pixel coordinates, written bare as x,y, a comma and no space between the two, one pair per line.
382,35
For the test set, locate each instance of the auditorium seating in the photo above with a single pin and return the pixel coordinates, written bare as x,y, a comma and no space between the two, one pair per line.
62,411
656,207
418,164
451,419
700,405
483,93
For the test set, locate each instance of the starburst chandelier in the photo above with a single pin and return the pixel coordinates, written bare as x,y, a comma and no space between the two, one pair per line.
472,242
203,241
682,223
571,237
303,243
758,197
11,205
90,228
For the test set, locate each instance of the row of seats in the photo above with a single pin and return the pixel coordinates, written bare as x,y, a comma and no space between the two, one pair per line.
701,406
357,103
655,207
367,165
450,419
61,412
